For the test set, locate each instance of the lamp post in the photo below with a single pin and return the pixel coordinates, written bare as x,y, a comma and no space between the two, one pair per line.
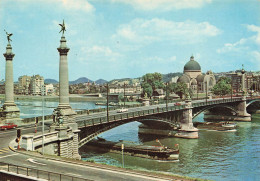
197,90
107,104
231,89
166,96
124,94
206,91
42,126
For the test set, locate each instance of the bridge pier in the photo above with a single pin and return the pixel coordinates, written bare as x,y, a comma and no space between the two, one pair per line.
62,140
187,130
241,114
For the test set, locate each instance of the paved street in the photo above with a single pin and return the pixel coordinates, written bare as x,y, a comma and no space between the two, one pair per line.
77,169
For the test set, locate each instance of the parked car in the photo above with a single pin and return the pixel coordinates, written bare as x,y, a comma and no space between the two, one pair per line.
8,126
122,110
177,104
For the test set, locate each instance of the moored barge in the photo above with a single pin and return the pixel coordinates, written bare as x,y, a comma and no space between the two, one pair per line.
218,126
132,149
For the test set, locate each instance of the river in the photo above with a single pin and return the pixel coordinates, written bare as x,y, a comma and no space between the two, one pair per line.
224,156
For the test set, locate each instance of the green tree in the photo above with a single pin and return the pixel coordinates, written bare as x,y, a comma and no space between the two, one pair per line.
151,82
225,79
221,88
181,89
121,97
147,88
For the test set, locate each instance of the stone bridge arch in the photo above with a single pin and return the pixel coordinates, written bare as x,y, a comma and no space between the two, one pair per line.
252,101
95,130
214,106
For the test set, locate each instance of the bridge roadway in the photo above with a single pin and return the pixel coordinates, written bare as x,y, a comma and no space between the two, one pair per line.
69,168
101,117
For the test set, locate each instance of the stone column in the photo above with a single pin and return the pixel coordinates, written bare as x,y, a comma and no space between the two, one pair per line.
243,82
242,114
64,108
9,109
187,129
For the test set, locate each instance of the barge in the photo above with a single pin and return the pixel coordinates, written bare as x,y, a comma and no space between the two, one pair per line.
218,126
129,148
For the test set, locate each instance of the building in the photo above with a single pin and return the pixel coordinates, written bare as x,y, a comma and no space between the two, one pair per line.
252,81
47,89
24,84
36,85
113,89
195,79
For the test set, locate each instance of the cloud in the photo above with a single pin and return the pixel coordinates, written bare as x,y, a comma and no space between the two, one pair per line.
99,53
244,44
235,47
157,59
163,5
257,30
75,5
147,31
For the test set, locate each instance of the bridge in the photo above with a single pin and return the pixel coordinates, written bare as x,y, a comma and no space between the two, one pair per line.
77,130
178,117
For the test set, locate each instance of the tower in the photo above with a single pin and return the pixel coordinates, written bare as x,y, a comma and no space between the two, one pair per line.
64,109
9,110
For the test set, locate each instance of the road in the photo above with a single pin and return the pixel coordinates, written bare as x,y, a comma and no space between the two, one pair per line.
79,170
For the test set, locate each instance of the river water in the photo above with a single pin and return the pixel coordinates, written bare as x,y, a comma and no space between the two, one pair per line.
224,156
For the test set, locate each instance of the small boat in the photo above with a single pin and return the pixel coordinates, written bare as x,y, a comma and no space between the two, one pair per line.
219,126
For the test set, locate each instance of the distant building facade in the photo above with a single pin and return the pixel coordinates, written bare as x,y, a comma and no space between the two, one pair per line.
194,79
252,81
47,89
129,89
24,85
36,85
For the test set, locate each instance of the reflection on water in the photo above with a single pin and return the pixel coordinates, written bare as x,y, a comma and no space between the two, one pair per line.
215,155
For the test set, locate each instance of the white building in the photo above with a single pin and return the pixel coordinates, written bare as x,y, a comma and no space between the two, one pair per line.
36,85
47,89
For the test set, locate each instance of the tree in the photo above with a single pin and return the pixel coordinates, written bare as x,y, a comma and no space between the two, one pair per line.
221,88
225,79
151,82
147,88
181,89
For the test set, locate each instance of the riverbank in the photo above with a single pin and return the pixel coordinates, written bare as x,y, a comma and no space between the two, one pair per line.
152,174
55,98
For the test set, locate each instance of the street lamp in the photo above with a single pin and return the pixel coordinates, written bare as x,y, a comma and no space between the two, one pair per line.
42,125
206,91
166,96
124,94
231,89
107,104
42,92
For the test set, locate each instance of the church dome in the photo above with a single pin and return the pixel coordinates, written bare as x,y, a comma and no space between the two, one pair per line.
184,79
192,65
200,78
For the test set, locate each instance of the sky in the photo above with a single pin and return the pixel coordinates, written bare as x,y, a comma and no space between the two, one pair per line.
112,39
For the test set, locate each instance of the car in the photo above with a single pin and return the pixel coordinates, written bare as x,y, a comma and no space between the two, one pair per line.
177,104
122,110
8,126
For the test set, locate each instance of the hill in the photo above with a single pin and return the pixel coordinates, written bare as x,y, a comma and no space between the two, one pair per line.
51,81
80,80
100,81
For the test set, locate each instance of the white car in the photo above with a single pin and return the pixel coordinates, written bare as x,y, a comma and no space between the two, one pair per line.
122,110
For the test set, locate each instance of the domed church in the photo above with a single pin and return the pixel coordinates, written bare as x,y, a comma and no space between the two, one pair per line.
194,79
